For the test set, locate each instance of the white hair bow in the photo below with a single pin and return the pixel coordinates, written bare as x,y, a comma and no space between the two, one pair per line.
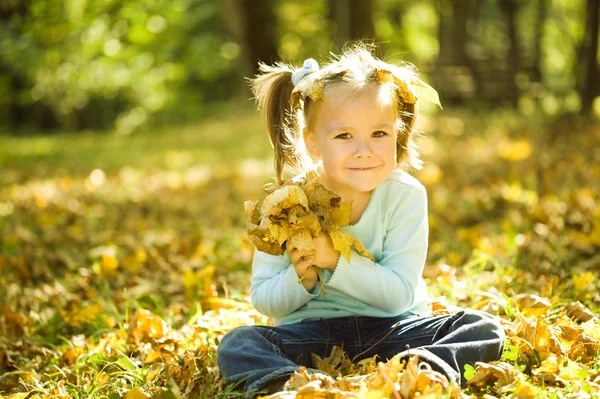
310,66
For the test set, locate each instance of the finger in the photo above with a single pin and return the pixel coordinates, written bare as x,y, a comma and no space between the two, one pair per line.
308,258
289,246
295,256
305,265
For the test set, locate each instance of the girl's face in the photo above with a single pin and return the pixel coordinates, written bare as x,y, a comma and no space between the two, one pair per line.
355,136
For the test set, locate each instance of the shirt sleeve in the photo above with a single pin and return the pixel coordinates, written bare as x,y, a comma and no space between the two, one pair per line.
390,284
274,287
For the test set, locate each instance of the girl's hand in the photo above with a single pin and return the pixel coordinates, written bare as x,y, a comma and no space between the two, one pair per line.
302,262
326,256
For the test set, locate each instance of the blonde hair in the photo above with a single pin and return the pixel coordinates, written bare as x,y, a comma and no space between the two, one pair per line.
284,107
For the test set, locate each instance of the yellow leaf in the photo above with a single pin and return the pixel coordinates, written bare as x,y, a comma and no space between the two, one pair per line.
20,395
109,264
335,364
133,262
303,240
515,150
570,371
426,92
340,216
546,342
343,242
280,232
311,221
579,312
189,283
549,368
77,316
134,394
531,304
146,327
281,199
494,373
252,214
582,281
152,356
299,213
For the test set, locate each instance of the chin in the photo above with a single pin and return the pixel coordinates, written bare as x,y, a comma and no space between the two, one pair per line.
363,188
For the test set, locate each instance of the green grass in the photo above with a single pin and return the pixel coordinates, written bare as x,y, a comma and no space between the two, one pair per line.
233,134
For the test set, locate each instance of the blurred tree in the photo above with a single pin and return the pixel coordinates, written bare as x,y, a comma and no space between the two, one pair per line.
76,64
540,20
353,20
252,24
79,64
510,8
456,76
589,85
16,109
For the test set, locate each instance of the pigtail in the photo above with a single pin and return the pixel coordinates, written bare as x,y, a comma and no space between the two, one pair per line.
272,89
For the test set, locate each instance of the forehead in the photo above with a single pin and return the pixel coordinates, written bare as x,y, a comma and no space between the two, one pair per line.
343,103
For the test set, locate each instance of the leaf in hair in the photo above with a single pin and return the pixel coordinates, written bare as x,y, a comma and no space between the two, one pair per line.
426,92
310,86
408,97
409,91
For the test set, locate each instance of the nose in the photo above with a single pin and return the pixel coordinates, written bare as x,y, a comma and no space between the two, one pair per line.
363,149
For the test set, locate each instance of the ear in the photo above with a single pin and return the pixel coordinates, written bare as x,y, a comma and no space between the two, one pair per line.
310,142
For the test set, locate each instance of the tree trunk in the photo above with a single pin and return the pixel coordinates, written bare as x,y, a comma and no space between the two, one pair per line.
339,15
456,74
542,12
444,9
252,25
589,79
459,31
510,9
361,20
353,20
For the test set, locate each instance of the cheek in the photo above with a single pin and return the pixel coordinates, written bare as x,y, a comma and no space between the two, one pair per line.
387,149
333,157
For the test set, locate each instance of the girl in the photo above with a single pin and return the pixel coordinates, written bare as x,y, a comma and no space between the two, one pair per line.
355,116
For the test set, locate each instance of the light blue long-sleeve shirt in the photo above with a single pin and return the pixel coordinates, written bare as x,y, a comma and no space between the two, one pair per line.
394,229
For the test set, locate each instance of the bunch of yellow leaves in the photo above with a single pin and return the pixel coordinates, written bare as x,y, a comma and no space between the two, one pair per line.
300,212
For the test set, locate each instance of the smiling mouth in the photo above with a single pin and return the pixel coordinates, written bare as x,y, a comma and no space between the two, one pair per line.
372,167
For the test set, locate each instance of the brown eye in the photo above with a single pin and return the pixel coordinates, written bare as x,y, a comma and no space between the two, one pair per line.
379,133
343,136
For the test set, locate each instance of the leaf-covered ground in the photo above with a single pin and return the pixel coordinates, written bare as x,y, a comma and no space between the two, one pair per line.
123,261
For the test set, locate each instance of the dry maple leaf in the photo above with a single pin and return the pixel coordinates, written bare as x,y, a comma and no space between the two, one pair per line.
146,327
300,212
501,376
336,363
399,378
579,312
531,304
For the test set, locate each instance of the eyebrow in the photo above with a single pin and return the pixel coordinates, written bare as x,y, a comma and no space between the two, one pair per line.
378,126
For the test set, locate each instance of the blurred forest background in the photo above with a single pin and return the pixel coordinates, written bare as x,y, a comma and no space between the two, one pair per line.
125,64
129,143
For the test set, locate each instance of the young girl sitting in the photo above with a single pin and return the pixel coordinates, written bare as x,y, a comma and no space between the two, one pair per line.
355,116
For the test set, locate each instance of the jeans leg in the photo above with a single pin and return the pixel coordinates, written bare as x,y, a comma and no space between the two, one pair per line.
446,343
261,354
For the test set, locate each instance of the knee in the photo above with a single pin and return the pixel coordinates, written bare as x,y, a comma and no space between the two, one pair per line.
231,346
484,325
235,338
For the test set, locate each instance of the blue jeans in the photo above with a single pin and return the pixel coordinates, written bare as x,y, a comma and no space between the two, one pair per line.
262,354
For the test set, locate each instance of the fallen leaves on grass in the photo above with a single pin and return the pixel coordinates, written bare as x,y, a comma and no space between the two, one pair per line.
512,232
